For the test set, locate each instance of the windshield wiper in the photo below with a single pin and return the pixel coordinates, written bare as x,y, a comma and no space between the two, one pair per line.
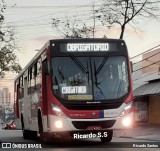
96,83
102,64
96,71
95,74
79,64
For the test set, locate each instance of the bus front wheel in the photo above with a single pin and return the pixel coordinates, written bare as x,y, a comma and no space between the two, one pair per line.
108,138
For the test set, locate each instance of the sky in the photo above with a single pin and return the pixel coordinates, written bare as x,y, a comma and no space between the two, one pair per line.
48,2
32,22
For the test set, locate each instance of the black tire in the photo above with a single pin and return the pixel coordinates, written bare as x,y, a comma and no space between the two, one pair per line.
108,138
33,135
26,134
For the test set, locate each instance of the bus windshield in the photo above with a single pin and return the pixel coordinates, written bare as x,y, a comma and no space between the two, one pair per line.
89,78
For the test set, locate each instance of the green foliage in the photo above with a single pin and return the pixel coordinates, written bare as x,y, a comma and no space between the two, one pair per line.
8,58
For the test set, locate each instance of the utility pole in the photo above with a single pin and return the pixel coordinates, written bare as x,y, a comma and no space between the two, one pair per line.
94,18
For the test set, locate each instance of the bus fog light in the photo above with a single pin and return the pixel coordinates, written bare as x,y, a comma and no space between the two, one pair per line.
127,121
58,124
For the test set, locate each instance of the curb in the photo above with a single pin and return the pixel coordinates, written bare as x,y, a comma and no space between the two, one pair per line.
137,138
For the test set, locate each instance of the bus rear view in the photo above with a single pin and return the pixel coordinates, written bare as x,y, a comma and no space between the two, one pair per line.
86,89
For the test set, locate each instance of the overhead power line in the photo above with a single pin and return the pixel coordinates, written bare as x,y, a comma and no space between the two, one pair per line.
59,12
37,23
147,58
146,66
155,62
145,52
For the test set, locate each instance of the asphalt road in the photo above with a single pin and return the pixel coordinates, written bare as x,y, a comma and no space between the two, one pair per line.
122,144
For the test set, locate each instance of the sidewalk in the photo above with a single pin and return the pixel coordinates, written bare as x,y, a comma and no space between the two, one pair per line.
142,131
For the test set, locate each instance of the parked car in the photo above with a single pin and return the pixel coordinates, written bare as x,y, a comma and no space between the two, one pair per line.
3,125
10,125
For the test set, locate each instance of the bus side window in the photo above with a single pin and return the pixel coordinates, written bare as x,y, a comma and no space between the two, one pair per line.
29,82
18,88
32,76
38,75
21,88
35,76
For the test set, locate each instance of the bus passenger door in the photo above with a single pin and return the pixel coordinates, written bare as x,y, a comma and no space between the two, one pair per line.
27,105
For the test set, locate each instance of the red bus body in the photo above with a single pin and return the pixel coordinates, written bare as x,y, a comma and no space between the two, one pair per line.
63,89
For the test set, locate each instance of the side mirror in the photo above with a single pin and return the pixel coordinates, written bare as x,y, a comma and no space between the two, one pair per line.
131,64
46,68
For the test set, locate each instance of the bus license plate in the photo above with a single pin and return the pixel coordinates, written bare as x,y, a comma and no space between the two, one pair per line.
94,128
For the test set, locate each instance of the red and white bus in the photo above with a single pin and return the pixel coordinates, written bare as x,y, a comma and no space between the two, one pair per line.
76,87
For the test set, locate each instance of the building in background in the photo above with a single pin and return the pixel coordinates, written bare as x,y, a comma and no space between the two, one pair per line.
5,99
6,108
146,85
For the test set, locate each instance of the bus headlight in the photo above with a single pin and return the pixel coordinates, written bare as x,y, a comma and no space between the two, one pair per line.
58,112
126,110
127,121
58,124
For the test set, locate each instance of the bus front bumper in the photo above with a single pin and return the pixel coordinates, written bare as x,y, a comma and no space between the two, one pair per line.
57,124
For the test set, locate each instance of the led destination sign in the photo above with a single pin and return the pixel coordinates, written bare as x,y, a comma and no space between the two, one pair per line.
91,47
87,47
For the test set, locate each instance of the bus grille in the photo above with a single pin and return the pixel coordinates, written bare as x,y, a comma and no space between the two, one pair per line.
85,124
93,106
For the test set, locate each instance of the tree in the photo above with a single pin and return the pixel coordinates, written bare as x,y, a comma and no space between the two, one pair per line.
72,28
111,13
127,12
8,58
